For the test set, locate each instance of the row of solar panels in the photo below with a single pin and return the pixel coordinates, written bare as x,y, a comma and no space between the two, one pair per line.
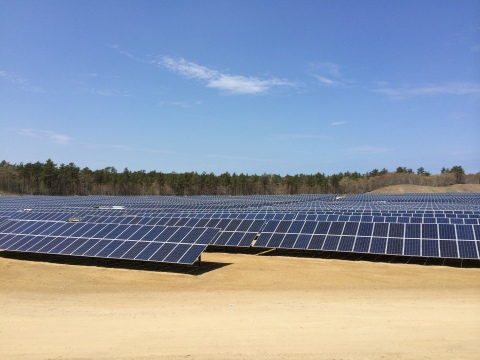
407,201
166,201
413,231
403,218
232,232
180,245
324,208
90,229
161,220
437,240
373,245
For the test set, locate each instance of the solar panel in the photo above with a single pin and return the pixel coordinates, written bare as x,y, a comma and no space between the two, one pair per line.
430,240
134,242
438,225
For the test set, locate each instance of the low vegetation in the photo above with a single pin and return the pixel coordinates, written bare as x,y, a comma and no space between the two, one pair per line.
49,178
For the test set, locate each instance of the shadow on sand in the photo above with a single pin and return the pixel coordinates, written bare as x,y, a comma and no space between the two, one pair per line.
459,263
196,269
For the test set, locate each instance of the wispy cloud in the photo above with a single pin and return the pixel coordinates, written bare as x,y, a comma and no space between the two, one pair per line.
109,92
367,150
19,81
328,74
458,88
127,148
243,158
338,123
299,137
11,77
233,84
44,135
326,81
183,104
125,53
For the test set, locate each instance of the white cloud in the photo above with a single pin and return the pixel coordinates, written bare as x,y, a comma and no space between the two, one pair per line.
188,69
183,104
298,136
58,138
19,82
44,135
458,88
326,81
11,77
328,74
129,148
367,150
233,84
109,92
337,123
327,67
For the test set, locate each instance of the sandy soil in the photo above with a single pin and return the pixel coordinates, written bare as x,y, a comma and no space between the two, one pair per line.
243,307
402,189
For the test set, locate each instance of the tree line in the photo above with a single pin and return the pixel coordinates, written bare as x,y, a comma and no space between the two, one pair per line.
48,178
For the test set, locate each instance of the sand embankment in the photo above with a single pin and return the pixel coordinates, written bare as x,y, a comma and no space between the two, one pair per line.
245,307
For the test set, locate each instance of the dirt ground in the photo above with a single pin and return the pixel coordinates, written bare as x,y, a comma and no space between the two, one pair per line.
240,306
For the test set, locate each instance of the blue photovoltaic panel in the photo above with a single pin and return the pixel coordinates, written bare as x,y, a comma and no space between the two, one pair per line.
378,245
150,249
467,250
79,239
302,241
429,231
396,231
331,242
263,239
395,246
296,226
322,228
135,250
413,231
275,240
448,249
362,244
110,248
316,242
283,226
97,246
365,229
465,232
412,247
336,228
350,228
437,225
163,252
380,230
309,227
346,243
288,241
476,229
430,248
446,231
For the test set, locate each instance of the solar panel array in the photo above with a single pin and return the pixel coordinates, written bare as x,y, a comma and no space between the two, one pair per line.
430,240
179,229
171,244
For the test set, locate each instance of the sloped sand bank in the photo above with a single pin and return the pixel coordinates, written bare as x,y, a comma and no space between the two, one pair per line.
239,307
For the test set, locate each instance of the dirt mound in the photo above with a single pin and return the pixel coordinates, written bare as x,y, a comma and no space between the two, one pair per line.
403,189
251,307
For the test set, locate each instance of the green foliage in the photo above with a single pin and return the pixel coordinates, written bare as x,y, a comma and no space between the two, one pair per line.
49,178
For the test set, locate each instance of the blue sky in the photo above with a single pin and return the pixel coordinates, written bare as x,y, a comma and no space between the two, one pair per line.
282,87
